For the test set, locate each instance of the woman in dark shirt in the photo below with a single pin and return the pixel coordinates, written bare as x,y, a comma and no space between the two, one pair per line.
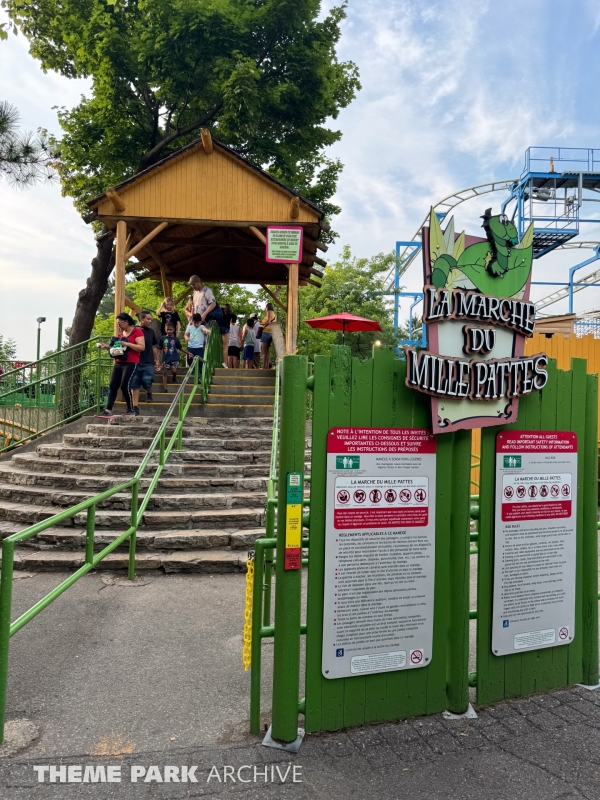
224,324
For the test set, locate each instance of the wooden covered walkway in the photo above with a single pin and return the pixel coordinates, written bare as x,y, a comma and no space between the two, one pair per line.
204,210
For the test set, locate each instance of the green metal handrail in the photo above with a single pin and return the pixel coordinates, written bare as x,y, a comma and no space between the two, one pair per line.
8,629
39,397
213,358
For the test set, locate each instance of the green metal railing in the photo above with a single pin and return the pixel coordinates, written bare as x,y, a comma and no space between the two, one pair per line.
38,397
164,447
265,562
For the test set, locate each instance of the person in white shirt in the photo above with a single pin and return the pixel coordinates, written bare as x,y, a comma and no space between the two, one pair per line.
195,336
233,351
203,298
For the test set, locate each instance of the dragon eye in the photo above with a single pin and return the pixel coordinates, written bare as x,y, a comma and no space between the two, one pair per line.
503,219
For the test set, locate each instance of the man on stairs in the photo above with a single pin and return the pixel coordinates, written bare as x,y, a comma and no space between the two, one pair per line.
144,375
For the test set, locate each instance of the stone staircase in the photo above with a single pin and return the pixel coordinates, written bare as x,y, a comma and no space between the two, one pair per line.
208,506
233,393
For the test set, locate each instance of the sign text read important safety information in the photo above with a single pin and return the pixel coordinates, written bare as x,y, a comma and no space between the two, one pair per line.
534,564
379,550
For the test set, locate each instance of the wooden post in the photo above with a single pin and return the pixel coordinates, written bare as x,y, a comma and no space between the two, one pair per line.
120,269
291,334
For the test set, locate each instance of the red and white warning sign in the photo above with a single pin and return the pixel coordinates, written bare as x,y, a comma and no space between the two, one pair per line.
384,502
379,550
538,496
535,540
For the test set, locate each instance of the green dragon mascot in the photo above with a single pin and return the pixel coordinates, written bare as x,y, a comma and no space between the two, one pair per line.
499,266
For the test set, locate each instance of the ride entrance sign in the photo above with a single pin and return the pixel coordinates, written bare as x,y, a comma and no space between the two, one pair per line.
535,540
379,550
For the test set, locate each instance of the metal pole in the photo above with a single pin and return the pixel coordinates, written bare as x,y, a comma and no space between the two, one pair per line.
286,656
57,361
180,423
37,366
133,537
8,554
98,371
89,534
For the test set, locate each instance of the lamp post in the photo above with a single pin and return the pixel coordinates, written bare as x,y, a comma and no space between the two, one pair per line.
37,359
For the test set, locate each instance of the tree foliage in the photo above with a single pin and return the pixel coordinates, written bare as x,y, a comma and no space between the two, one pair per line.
25,158
263,75
353,285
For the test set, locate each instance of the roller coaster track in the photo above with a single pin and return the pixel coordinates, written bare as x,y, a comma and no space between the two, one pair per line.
444,207
590,279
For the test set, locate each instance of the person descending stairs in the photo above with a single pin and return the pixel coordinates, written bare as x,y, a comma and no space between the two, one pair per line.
209,504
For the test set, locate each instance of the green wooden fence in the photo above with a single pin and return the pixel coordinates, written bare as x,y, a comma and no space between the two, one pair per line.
372,393
569,401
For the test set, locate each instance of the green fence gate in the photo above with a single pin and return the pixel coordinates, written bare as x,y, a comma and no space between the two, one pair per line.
350,392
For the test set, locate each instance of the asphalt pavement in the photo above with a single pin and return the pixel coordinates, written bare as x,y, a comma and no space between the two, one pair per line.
146,682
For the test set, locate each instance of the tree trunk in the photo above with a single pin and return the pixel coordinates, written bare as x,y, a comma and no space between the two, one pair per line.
71,399
95,289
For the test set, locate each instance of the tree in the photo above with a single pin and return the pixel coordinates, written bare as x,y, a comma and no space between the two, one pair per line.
354,285
25,158
263,76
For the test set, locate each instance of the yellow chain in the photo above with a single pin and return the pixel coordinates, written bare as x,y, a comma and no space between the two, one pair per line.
247,647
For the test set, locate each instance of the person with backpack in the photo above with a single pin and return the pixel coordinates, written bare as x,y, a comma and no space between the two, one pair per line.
249,343
125,349
204,301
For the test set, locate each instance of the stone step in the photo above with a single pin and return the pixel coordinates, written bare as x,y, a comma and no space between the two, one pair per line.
51,496
143,442
28,514
211,430
95,484
248,379
240,400
236,390
135,456
198,561
266,421
64,538
221,372
229,410
43,464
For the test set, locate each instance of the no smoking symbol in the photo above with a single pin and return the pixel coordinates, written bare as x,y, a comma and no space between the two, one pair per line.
416,656
563,633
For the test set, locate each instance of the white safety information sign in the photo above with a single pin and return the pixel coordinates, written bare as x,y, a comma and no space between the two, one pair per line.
379,550
535,541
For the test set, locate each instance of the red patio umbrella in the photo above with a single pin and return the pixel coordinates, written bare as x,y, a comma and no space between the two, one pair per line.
344,322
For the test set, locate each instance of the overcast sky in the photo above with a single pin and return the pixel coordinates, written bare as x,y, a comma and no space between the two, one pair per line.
453,93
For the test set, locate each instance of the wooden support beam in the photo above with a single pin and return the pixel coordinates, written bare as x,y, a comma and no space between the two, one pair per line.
132,305
182,296
207,142
148,238
320,261
291,334
120,270
273,296
294,208
258,234
117,201
317,272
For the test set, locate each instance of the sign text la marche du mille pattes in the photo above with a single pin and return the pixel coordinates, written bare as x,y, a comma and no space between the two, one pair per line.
477,311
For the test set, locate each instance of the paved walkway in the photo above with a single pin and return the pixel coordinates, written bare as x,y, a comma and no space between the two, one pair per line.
151,675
